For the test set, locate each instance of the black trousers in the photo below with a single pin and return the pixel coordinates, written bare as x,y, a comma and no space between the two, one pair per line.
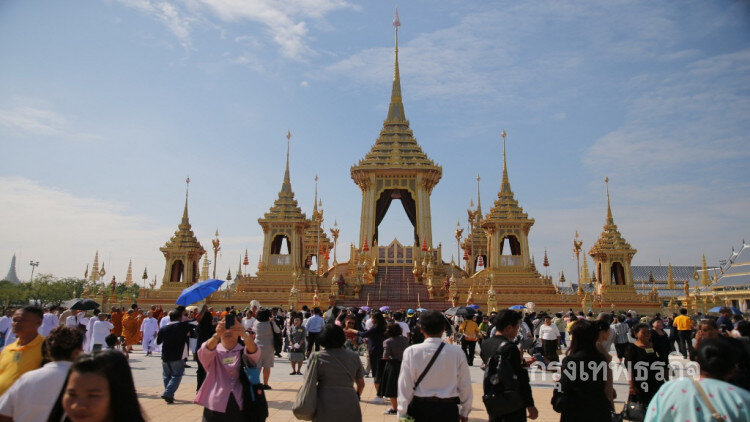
431,409
549,348
685,341
469,347
232,414
312,340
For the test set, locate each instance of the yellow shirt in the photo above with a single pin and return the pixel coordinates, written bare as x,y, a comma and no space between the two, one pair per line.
683,322
16,360
470,330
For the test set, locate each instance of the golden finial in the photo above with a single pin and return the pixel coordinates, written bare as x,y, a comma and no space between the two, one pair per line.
610,220
479,197
505,183
396,108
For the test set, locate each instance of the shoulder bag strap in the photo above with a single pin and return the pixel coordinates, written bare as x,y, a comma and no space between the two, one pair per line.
714,414
429,365
343,366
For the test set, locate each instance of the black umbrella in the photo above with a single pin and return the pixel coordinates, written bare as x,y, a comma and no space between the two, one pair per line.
85,305
461,311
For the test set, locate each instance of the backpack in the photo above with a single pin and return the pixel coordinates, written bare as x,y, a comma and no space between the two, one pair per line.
501,389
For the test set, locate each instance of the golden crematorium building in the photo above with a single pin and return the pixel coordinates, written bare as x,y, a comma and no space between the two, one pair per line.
498,272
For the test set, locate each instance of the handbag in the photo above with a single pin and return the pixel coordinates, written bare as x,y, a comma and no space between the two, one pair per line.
508,399
307,397
633,410
254,403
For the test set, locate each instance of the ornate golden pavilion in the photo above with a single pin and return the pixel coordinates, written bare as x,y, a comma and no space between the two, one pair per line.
499,272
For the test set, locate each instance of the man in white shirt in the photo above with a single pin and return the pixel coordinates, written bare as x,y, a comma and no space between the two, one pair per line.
32,396
550,336
88,341
99,332
5,329
399,318
149,328
49,321
444,386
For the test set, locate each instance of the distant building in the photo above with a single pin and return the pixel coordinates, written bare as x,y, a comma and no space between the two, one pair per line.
12,276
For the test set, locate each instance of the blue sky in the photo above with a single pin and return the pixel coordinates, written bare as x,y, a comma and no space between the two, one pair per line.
107,106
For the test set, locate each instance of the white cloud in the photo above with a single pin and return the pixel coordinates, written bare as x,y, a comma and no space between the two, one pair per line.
176,20
285,21
21,117
304,84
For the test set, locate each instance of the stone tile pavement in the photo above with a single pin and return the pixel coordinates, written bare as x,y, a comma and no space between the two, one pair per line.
148,381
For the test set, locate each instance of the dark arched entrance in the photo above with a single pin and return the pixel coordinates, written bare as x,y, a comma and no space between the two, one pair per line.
177,269
618,274
384,202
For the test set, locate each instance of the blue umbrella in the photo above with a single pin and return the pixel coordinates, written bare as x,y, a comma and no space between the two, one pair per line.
732,308
475,307
198,291
421,309
517,307
365,308
384,309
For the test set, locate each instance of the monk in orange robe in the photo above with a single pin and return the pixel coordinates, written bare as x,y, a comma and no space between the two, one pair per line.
116,319
130,329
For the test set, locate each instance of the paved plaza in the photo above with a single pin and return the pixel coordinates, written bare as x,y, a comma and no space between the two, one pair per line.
148,381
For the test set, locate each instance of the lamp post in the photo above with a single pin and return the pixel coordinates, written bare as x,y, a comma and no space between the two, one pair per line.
335,234
217,248
33,264
459,233
577,250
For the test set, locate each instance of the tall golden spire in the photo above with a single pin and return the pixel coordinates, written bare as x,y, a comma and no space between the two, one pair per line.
610,220
705,278
670,277
185,221
286,185
285,207
315,202
396,108
129,275
505,188
479,200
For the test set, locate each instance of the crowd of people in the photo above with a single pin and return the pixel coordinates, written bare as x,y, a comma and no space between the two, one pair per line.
75,365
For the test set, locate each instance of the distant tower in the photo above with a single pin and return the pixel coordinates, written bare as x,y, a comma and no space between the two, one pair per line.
182,253
612,254
283,222
12,276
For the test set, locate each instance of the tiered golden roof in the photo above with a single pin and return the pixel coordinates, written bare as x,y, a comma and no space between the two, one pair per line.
184,239
396,148
285,207
506,206
611,239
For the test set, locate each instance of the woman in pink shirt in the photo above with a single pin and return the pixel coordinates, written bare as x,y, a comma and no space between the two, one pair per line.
221,392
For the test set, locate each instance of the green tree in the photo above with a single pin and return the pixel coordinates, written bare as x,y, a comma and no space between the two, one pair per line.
12,294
